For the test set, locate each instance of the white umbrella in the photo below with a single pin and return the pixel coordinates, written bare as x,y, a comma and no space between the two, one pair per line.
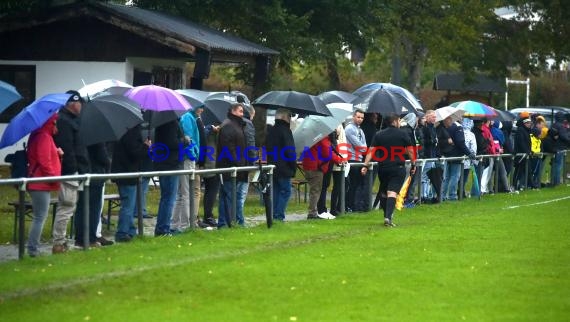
314,128
107,86
447,111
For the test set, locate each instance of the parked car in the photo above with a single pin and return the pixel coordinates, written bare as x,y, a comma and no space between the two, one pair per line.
547,111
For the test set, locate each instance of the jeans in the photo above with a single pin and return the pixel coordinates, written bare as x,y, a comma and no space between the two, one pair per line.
168,192
242,190
281,195
557,162
144,190
182,218
427,192
125,226
211,189
452,180
94,211
225,207
40,206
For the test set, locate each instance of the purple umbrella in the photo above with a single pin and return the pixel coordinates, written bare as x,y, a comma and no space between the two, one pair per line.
170,104
158,98
32,117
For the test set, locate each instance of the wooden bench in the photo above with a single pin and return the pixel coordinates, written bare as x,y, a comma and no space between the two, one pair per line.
28,211
297,184
113,201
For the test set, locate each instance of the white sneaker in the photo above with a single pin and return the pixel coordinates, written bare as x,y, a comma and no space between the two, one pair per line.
326,215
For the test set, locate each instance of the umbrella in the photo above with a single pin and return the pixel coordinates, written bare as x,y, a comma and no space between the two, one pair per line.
391,88
505,116
314,128
106,86
476,110
161,104
446,111
296,102
336,97
383,101
194,96
32,117
216,108
107,118
8,95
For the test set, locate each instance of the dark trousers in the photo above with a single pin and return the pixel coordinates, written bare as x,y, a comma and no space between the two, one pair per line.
335,194
322,203
95,196
355,182
211,189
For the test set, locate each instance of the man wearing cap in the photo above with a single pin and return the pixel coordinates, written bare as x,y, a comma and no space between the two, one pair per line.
522,145
74,161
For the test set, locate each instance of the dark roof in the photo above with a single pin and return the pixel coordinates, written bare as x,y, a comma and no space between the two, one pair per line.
198,35
457,82
173,31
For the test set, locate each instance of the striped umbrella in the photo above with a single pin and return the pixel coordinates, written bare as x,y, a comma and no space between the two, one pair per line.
476,110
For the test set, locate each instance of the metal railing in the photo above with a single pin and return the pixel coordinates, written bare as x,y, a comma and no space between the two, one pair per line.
85,180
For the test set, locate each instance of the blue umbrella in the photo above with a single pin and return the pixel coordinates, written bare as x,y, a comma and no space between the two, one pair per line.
32,117
391,88
8,95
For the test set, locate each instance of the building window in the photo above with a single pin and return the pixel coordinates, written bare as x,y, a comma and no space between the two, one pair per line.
23,77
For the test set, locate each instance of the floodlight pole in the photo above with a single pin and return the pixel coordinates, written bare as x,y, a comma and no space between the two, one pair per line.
517,82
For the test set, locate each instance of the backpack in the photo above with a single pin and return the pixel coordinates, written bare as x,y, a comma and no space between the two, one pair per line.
18,163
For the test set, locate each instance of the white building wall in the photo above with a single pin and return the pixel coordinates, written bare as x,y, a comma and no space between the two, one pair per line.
60,76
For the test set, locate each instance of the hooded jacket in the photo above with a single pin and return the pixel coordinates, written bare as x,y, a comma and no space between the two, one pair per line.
563,141
231,146
43,158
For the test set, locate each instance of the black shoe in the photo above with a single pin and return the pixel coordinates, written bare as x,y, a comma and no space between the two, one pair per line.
202,224
123,239
105,242
147,216
313,217
211,222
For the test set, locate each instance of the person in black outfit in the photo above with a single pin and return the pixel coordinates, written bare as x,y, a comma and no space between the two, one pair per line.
128,154
389,147
280,143
522,145
99,162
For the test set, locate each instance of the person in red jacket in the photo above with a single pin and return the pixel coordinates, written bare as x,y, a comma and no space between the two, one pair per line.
316,164
43,161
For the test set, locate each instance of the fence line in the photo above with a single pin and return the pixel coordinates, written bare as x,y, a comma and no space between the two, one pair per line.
85,180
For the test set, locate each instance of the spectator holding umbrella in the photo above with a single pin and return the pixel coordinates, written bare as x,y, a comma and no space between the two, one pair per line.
280,140
44,161
316,164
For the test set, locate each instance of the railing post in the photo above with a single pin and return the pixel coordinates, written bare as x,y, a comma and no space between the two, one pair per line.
420,170
461,180
85,214
496,176
526,171
234,198
270,197
21,219
370,174
191,200
342,189
139,207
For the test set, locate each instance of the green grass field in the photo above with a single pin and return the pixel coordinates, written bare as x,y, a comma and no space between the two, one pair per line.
499,259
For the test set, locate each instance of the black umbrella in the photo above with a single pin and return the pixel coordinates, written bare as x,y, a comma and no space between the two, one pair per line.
505,116
336,97
194,96
383,101
158,118
107,118
296,102
215,111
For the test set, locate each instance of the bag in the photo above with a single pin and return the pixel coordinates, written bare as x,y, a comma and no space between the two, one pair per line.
18,163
